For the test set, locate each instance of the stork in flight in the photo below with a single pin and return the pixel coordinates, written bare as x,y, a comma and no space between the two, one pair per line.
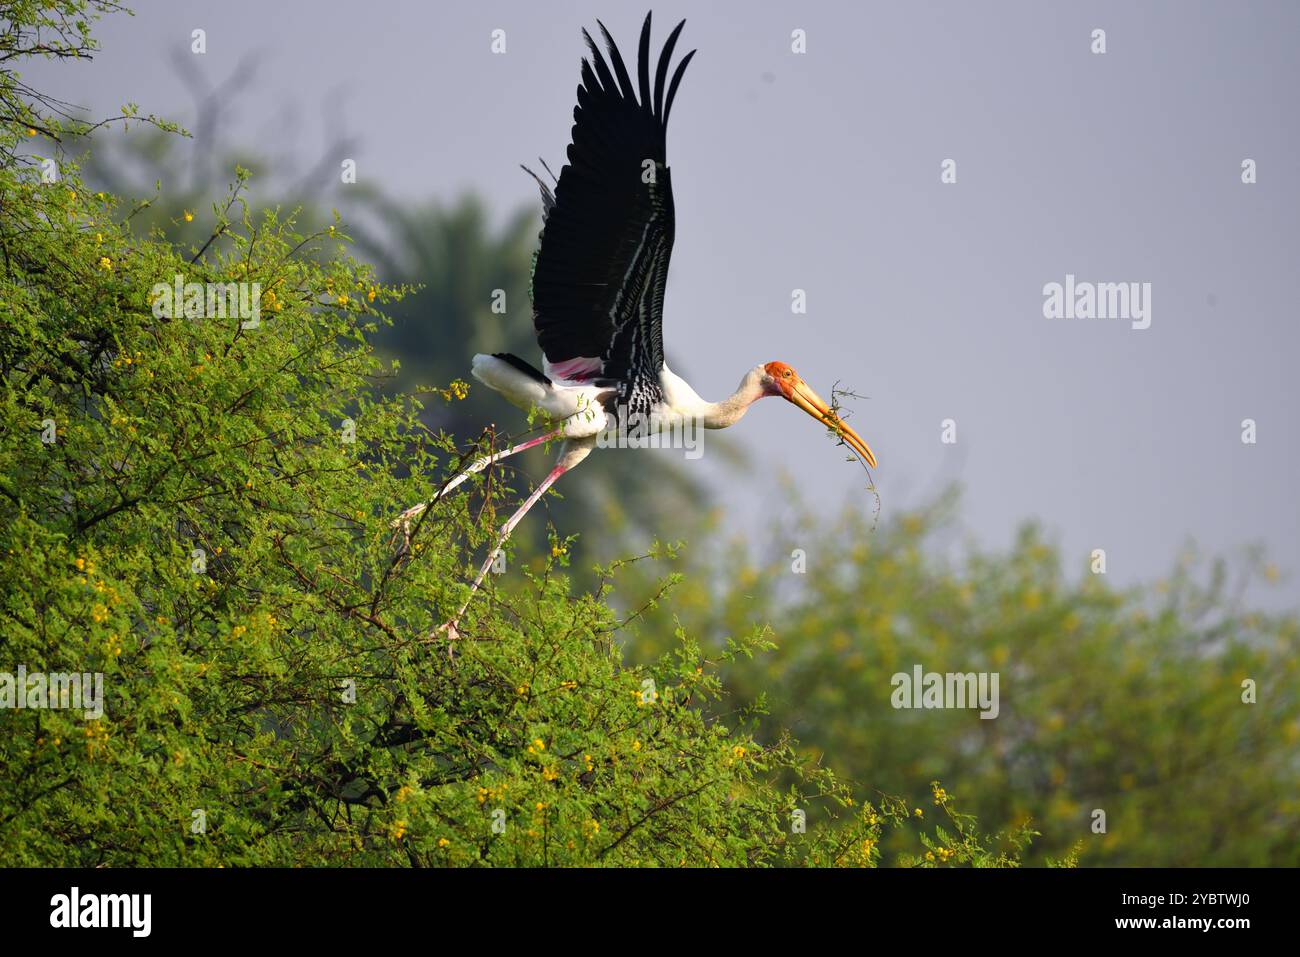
598,289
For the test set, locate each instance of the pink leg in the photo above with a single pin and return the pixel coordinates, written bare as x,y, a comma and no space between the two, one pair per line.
506,529
403,521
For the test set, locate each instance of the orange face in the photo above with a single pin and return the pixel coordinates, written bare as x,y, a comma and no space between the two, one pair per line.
783,377
786,383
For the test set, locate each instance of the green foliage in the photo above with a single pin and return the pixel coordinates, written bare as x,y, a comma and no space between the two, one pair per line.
1130,701
52,30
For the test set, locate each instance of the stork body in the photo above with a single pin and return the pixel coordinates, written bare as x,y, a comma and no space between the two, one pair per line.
598,288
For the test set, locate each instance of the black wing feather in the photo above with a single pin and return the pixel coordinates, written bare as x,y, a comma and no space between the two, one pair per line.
602,69
672,87
643,64
620,71
598,287
661,72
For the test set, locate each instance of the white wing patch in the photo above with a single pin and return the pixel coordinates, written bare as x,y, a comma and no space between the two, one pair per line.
574,408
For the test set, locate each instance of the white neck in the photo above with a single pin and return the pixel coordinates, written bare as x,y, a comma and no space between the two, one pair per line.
715,415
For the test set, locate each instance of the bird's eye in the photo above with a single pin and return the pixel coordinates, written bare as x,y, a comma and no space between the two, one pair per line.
786,374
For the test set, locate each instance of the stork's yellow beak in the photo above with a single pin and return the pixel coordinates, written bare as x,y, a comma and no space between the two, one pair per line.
808,400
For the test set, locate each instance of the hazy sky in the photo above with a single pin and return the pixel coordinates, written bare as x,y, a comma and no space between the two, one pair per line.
821,171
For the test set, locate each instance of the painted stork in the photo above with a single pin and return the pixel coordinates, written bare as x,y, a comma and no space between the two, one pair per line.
598,289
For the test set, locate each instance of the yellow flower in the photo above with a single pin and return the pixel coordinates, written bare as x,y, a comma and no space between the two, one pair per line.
636,745
549,774
31,131
371,294
105,264
343,300
738,752
189,217
539,744
96,737
81,564
443,842
918,813
458,389
557,551
399,830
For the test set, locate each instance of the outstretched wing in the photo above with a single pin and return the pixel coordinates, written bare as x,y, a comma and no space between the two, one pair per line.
598,284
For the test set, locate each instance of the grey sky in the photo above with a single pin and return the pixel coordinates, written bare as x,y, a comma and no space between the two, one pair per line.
822,172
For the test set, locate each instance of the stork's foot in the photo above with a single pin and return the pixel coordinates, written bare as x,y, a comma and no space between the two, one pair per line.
403,521
450,632
402,528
